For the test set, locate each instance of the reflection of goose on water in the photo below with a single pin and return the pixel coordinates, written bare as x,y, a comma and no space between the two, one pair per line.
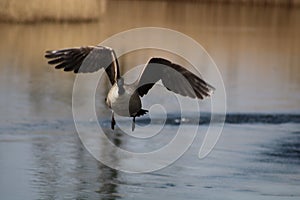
122,98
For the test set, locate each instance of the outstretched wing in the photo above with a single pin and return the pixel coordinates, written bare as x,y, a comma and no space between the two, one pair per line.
174,77
85,60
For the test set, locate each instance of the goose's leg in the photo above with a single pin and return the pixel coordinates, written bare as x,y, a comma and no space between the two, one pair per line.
113,122
133,124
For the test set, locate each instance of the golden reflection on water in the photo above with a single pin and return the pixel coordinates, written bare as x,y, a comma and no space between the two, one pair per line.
256,49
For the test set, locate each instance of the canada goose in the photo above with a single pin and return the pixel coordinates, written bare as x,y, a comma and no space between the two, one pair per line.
124,99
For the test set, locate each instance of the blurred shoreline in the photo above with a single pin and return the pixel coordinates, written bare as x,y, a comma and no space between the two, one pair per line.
33,11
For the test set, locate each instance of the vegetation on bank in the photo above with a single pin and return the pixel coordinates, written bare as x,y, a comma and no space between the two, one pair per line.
52,10
91,10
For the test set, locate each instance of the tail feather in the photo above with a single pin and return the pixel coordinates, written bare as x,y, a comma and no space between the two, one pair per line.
140,113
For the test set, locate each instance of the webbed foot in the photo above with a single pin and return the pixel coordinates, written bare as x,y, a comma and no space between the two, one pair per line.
113,121
133,124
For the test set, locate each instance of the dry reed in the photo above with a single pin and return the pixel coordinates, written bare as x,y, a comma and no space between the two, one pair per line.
52,10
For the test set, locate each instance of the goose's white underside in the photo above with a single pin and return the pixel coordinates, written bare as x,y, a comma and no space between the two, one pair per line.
120,103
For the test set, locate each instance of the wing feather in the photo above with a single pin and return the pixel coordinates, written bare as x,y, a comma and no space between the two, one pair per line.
85,60
174,77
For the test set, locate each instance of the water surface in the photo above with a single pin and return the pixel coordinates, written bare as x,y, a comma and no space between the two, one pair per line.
257,157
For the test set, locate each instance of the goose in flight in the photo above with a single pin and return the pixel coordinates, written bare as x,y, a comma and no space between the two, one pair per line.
125,99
